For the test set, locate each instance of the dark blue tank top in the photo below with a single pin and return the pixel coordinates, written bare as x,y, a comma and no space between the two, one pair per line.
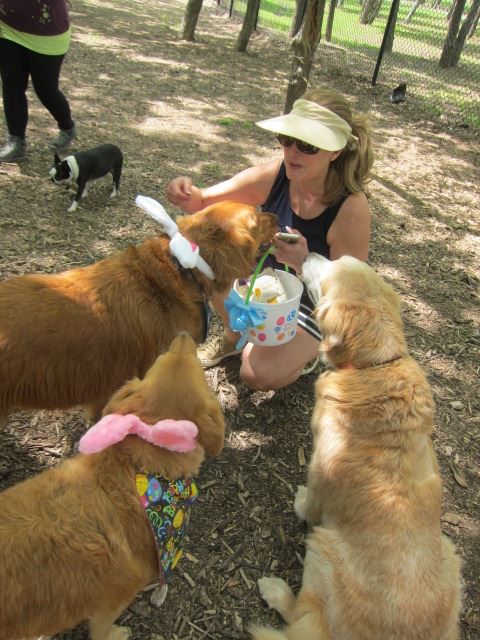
314,230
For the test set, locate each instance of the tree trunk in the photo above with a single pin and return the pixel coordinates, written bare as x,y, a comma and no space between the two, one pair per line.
453,27
303,47
190,20
411,13
448,17
298,18
370,11
248,25
455,40
473,28
331,15
391,33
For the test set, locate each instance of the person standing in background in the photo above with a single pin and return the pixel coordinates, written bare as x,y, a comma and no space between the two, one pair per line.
34,38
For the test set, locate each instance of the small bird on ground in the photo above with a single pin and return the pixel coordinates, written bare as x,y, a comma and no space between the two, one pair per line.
398,94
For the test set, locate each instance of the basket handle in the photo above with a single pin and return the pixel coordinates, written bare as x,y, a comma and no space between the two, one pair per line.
257,271
255,274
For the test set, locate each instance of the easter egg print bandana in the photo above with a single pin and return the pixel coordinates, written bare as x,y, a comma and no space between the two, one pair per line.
167,507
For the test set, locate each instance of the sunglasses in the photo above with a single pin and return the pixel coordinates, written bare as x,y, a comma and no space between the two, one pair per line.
303,147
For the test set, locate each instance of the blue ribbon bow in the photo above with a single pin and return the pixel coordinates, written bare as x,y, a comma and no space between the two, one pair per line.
242,316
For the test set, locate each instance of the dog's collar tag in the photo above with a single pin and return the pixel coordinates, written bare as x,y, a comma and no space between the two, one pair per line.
186,252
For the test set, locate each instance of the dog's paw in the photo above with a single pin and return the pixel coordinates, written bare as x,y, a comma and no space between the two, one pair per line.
119,633
300,503
276,593
72,207
158,595
114,193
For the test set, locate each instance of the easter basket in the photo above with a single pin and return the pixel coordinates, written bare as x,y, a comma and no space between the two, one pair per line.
264,309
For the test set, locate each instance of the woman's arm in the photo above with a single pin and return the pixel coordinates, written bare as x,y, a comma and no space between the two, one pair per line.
349,234
250,186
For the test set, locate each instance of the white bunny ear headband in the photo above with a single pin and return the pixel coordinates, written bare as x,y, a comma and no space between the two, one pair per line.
186,252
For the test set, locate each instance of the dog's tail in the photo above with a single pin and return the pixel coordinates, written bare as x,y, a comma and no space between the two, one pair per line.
266,633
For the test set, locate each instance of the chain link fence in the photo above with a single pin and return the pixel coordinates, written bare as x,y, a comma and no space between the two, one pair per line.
446,80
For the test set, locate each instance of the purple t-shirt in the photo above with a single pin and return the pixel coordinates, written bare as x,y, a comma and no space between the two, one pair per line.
38,17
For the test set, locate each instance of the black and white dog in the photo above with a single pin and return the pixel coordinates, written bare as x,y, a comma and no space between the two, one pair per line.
85,166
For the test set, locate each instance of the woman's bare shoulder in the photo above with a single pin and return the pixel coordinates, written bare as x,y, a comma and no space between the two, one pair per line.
350,232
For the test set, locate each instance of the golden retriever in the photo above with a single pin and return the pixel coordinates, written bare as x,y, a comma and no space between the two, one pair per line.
75,543
73,338
377,566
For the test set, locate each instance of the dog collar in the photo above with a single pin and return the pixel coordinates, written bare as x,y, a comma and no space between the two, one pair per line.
206,311
72,163
186,252
374,365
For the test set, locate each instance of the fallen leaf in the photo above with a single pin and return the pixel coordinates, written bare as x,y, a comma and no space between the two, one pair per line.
301,457
451,518
459,475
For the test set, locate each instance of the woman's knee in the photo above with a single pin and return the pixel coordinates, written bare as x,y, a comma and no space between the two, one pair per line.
261,375
47,93
254,380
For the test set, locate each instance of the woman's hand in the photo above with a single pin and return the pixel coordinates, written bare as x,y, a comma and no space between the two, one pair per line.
292,255
183,193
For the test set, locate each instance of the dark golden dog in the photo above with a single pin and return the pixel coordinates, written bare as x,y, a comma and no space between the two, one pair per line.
73,338
75,543
377,566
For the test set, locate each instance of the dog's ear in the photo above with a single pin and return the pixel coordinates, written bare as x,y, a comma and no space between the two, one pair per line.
57,158
211,427
361,333
267,226
127,399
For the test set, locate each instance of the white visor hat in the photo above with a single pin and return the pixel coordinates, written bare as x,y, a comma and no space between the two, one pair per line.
309,122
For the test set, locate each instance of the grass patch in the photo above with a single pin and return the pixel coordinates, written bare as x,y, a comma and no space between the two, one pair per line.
416,51
233,122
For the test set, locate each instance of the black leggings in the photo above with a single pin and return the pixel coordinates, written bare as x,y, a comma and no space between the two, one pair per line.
16,65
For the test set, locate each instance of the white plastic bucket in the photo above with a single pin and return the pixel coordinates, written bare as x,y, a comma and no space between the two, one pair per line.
280,323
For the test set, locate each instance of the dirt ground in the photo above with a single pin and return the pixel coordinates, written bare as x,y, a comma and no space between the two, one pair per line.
179,108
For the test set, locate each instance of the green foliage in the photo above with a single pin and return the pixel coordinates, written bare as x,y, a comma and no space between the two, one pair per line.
227,122
232,122
415,56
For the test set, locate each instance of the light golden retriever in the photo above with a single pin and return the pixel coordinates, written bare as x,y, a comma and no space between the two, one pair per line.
377,566
73,338
75,543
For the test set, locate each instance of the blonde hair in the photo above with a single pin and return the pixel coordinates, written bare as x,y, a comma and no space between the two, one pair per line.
350,172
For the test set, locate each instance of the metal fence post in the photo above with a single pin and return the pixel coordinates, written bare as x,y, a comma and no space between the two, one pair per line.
393,8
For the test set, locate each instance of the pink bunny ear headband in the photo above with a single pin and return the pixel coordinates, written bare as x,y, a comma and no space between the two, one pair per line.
174,435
